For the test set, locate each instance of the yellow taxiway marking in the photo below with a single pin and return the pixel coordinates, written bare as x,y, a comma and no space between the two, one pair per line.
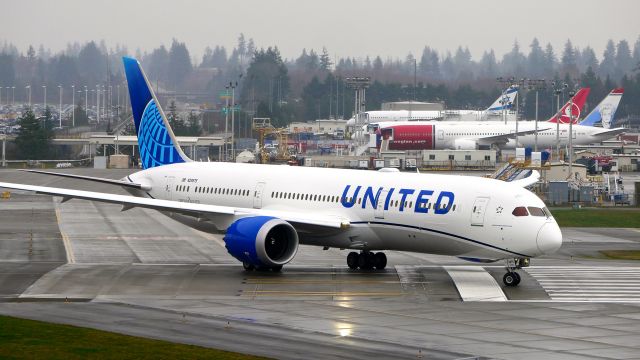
284,281
317,293
71,258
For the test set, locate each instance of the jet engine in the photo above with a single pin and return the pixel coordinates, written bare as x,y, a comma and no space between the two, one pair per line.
465,144
261,241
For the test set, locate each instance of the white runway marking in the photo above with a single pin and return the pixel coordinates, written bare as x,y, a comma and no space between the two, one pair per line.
474,283
589,283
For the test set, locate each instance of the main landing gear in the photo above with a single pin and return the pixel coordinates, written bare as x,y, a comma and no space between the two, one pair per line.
366,260
512,278
250,267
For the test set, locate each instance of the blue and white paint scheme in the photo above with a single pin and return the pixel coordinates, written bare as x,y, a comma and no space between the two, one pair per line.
266,211
605,112
155,137
505,101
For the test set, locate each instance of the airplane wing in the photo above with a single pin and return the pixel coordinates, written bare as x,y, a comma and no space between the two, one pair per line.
503,139
198,210
529,180
610,132
96,179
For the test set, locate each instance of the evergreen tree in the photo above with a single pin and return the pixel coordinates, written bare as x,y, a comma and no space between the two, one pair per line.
488,65
158,64
608,64
193,126
325,61
549,59
34,137
175,121
588,59
80,115
179,64
569,62
535,60
624,61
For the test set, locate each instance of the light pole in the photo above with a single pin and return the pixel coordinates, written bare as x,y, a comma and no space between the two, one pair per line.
98,104
233,110
571,93
226,121
60,108
536,85
86,100
73,106
1,95
28,87
45,97
13,95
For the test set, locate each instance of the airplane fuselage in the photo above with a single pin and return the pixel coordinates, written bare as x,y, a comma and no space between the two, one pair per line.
451,215
468,136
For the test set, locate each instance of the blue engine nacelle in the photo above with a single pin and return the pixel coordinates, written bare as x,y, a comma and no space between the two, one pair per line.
262,241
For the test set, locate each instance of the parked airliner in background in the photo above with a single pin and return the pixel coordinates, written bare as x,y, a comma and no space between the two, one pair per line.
503,102
465,135
266,211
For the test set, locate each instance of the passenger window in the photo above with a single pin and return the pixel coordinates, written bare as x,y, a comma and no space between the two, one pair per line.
520,211
535,211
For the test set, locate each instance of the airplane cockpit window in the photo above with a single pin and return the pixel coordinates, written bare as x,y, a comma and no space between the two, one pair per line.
547,212
520,211
536,211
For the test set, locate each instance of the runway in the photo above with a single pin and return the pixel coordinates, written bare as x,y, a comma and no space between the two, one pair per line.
140,273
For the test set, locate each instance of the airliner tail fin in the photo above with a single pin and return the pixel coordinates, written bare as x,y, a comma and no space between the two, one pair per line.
579,99
505,100
605,111
158,144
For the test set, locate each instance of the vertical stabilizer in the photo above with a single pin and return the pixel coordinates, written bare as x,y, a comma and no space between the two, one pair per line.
579,99
158,144
505,100
605,111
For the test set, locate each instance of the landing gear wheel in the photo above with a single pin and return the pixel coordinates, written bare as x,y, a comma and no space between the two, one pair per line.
365,261
517,278
380,261
352,260
511,279
247,266
276,268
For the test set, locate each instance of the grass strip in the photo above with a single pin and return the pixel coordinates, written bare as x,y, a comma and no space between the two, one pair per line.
21,338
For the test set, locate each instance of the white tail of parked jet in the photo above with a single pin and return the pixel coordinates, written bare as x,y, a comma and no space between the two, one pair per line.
605,111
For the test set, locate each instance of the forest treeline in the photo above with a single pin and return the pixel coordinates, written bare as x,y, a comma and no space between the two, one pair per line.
312,85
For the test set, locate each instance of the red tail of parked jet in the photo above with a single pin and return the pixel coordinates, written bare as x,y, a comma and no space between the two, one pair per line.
578,103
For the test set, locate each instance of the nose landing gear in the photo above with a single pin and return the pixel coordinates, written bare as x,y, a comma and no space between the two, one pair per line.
366,260
512,278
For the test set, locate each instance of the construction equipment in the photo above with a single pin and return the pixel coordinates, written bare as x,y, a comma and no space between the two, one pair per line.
279,153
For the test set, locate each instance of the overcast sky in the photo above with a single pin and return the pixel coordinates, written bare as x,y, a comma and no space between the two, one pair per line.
345,27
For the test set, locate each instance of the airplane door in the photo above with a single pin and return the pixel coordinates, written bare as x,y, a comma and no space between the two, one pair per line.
477,214
257,195
379,210
168,188
440,134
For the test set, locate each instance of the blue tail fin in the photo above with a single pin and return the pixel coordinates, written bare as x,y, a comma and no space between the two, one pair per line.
158,145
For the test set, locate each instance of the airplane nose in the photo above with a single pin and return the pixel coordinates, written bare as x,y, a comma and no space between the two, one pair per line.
549,238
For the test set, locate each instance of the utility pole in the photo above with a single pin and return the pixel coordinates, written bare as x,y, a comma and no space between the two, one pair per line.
536,85
60,107
73,106
29,87
571,93
233,111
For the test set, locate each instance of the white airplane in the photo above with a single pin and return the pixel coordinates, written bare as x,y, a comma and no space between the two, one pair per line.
503,102
465,135
267,211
